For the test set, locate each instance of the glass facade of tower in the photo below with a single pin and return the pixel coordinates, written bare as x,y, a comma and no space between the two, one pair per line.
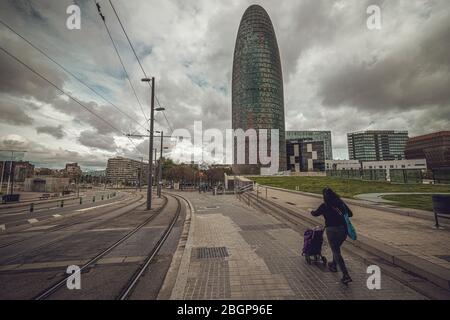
257,85
377,145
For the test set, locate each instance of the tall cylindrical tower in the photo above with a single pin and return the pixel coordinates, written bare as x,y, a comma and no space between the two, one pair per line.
257,85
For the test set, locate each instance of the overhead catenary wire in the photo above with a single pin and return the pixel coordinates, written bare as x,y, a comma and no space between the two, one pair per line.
70,73
118,55
37,73
137,58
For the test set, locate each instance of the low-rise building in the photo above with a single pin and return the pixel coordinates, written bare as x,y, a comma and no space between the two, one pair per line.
342,165
416,164
46,184
396,164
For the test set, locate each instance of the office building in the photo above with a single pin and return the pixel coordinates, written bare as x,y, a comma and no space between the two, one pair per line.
305,155
126,171
434,147
257,85
379,145
324,136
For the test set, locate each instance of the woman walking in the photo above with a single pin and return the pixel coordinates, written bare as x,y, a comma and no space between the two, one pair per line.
333,209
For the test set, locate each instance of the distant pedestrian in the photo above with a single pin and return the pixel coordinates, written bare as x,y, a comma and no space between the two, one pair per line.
333,210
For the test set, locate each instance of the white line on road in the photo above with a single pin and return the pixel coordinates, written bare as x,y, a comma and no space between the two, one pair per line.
2,227
33,220
57,215
91,208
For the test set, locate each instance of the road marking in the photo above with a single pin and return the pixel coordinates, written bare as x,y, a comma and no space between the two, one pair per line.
33,220
92,208
57,215
2,227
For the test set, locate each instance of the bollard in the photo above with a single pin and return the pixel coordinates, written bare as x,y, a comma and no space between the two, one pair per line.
81,200
266,193
93,199
62,203
31,207
102,197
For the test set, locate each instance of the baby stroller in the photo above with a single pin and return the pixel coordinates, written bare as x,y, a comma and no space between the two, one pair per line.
312,245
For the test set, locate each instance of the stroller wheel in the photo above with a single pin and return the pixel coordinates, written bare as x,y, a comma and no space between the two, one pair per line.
324,260
308,259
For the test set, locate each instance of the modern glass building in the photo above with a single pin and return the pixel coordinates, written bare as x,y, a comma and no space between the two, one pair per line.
257,85
324,136
377,145
304,155
435,147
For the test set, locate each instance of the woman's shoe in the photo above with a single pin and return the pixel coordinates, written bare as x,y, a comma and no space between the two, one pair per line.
332,267
346,279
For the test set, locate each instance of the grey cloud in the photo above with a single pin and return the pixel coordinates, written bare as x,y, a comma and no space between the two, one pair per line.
45,156
56,132
12,113
96,140
415,74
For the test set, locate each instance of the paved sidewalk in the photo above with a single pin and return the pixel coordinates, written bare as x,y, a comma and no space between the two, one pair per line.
413,235
236,252
377,197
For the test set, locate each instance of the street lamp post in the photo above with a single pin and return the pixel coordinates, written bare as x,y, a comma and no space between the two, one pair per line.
150,149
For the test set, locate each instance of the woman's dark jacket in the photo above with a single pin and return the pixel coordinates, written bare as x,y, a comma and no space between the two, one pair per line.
331,214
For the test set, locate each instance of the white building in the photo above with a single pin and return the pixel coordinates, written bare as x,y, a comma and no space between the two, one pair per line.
420,164
342,165
396,164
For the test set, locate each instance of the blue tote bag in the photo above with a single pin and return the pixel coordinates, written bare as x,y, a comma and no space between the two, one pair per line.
351,231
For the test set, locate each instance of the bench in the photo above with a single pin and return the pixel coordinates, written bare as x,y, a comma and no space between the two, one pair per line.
441,207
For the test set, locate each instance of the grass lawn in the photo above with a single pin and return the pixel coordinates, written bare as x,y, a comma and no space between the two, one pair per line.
346,188
415,201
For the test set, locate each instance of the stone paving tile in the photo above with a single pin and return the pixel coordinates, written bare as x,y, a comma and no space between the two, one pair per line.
264,261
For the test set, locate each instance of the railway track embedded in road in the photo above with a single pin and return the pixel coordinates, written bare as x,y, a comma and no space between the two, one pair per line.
127,289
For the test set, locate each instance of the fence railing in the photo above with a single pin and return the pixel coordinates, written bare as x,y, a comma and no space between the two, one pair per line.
60,203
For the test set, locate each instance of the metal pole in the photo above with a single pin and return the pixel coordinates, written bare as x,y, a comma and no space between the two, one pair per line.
140,175
10,171
3,172
150,149
160,166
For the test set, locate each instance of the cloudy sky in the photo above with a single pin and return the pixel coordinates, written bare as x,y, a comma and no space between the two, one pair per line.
338,74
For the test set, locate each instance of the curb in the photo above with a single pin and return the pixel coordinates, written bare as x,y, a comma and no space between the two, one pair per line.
183,269
434,273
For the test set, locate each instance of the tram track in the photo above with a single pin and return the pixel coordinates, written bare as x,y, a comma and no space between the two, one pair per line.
134,279
132,283
74,223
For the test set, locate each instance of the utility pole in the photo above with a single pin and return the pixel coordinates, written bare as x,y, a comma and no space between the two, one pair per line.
3,172
160,166
140,175
150,148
